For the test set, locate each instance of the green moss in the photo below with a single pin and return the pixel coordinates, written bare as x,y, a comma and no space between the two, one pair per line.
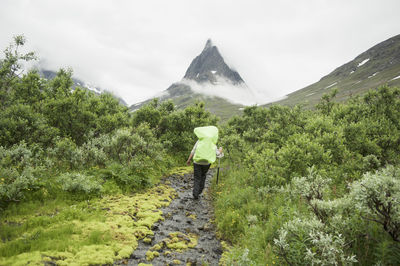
179,241
82,233
191,215
150,255
123,251
141,232
176,262
176,241
31,258
89,255
226,250
180,170
144,264
147,240
157,246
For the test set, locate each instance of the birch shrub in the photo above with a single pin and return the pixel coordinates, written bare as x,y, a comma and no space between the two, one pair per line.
66,154
79,183
94,151
19,172
334,228
14,184
318,238
309,242
377,199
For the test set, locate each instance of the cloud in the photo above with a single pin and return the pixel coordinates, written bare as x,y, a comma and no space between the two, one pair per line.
223,88
138,48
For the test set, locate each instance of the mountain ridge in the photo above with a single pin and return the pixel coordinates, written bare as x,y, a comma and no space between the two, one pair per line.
375,67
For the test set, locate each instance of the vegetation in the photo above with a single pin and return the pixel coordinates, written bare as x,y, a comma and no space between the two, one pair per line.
313,187
71,163
298,187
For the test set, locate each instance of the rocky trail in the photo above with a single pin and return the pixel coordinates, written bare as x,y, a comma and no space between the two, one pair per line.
186,236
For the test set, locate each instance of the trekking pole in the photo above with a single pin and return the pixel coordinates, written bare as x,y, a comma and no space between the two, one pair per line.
219,161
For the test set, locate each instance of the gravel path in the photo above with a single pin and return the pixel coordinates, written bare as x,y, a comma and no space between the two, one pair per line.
187,235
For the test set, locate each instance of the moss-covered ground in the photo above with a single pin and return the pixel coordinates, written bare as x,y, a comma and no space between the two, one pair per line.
67,232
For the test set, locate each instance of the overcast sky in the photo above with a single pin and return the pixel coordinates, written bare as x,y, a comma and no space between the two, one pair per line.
138,48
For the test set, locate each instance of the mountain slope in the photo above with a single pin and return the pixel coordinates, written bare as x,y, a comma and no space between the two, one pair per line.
182,96
208,79
375,67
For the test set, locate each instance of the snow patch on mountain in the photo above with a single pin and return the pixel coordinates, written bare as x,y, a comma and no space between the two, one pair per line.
91,87
330,85
363,62
373,75
398,77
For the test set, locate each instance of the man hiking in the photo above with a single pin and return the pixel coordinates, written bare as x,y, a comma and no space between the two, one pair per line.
204,153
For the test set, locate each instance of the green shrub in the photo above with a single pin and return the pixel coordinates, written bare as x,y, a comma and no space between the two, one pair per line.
79,183
306,242
299,153
124,177
377,198
311,187
94,151
14,185
18,156
66,154
20,170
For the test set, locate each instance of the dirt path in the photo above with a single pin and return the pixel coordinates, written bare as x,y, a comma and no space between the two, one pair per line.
186,235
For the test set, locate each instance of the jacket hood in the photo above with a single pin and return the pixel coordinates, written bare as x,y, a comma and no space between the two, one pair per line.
208,132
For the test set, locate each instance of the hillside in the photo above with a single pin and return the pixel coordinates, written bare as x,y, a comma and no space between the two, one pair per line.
379,65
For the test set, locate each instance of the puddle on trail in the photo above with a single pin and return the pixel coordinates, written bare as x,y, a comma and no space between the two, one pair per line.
186,236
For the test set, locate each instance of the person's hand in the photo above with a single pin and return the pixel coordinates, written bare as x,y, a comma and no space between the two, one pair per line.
220,149
188,162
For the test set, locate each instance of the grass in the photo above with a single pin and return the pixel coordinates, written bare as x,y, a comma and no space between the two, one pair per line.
248,218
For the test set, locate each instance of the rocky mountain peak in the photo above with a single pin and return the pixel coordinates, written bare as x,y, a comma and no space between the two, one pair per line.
209,66
209,44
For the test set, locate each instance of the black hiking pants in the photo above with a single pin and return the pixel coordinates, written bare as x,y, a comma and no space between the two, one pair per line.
200,173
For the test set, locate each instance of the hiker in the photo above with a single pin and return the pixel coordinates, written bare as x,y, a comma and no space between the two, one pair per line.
204,153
